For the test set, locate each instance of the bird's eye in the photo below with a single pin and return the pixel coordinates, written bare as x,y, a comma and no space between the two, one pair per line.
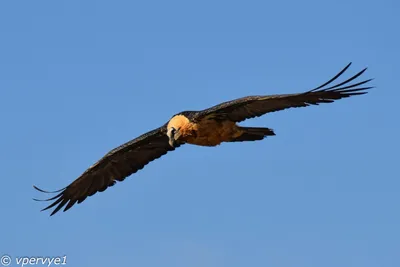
173,130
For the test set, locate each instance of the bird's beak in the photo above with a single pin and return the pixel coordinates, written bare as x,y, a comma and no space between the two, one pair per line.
173,139
175,143
172,142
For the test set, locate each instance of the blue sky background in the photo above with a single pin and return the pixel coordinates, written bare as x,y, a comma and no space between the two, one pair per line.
79,78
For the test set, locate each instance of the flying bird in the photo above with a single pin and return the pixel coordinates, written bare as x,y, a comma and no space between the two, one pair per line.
209,127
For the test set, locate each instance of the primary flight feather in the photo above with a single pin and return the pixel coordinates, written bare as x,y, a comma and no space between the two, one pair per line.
209,127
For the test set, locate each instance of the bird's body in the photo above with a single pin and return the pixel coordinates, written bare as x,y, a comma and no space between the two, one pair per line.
209,127
205,132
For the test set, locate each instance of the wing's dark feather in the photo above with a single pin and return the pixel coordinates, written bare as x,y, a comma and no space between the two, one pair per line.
54,203
333,78
56,196
41,190
116,165
255,106
70,204
353,85
63,202
346,81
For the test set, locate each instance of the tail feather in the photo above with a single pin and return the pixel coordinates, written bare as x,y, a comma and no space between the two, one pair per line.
253,134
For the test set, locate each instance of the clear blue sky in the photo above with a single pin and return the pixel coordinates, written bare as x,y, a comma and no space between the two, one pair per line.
79,78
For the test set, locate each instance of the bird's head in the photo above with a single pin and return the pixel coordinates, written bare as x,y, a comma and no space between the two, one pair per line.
175,129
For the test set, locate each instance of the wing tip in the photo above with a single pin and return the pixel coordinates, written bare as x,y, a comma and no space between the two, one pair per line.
47,192
339,86
58,198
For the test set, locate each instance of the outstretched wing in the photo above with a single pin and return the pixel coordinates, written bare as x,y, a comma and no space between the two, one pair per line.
255,106
116,165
